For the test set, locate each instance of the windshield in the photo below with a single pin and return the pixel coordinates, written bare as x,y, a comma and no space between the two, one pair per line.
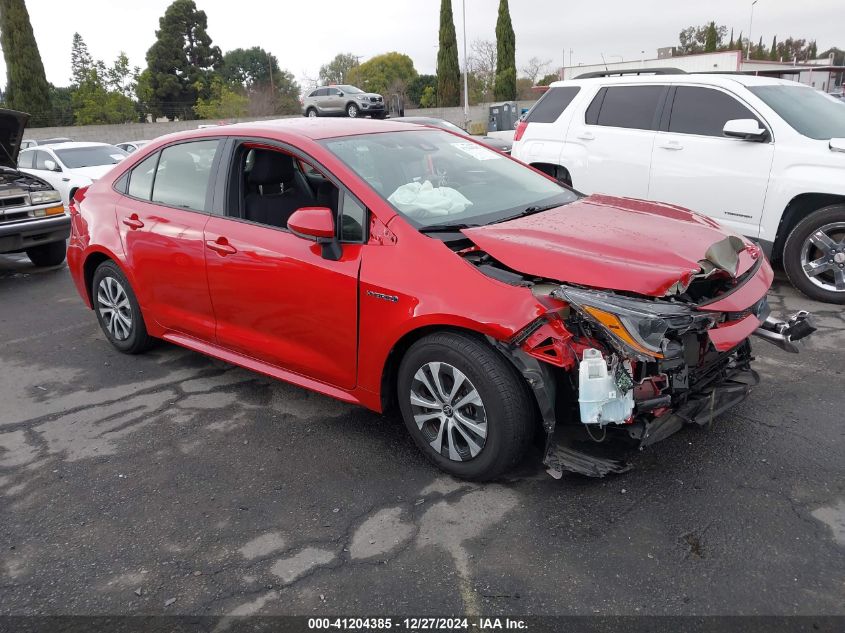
808,111
77,157
351,90
433,178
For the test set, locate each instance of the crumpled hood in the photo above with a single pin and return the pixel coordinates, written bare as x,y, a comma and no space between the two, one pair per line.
12,125
611,243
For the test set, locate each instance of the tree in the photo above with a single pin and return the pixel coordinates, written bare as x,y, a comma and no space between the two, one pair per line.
505,89
61,105
418,87
223,102
731,43
482,64
448,66
838,55
26,88
711,38
534,69
773,51
547,79
181,63
384,74
81,61
121,78
94,103
249,67
337,70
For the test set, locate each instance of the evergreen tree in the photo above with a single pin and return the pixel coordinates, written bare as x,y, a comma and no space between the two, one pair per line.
812,50
761,51
731,43
505,89
81,61
773,53
448,67
27,88
711,38
181,63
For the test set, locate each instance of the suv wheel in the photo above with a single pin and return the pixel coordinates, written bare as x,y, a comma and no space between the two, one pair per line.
51,254
465,406
814,255
118,311
312,113
352,111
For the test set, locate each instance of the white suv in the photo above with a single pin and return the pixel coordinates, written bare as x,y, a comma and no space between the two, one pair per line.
765,157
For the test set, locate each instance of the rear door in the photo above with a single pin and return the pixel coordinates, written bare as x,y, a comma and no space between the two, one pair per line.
161,217
695,166
616,137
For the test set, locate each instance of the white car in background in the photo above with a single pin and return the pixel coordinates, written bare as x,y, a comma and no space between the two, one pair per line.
765,157
70,166
131,146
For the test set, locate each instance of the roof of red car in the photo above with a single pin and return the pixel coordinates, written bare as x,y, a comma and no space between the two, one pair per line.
320,128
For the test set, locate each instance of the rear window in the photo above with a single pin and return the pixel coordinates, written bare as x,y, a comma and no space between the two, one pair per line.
626,106
25,160
552,104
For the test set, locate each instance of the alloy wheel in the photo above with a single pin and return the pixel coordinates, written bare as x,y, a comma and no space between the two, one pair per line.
823,257
448,411
114,308
352,111
312,114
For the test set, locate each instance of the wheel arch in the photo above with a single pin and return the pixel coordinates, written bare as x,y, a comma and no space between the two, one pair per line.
89,266
799,208
558,172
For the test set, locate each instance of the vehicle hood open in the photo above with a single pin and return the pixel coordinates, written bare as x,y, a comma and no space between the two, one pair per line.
613,243
12,126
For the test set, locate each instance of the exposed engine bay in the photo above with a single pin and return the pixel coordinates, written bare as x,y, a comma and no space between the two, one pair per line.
615,371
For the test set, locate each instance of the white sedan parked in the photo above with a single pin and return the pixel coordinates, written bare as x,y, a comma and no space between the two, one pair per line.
70,166
131,146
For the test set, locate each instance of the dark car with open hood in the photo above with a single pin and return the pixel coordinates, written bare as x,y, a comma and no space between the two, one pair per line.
404,267
32,217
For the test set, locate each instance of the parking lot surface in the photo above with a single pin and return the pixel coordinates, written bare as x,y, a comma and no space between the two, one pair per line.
173,483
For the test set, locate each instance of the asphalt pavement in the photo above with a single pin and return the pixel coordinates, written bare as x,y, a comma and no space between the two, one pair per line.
171,483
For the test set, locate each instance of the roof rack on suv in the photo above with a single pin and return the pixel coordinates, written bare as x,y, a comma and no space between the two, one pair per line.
632,71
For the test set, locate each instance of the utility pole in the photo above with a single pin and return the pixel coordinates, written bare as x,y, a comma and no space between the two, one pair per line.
466,71
750,25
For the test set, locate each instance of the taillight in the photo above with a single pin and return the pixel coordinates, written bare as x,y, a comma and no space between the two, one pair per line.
521,126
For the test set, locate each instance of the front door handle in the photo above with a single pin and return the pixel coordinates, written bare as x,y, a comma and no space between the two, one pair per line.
672,145
221,246
133,222
65,179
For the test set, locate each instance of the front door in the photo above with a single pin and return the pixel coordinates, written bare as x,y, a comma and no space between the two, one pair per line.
695,166
161,222
275,297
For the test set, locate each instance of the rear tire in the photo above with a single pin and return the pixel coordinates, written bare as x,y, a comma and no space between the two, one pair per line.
118,311
51,254
814,255
476,430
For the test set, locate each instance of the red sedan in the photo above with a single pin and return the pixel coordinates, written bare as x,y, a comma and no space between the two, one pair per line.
388,264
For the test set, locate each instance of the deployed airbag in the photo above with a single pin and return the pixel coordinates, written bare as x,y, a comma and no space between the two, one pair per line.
423,200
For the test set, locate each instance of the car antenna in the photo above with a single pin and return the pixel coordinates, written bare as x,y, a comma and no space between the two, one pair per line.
604,61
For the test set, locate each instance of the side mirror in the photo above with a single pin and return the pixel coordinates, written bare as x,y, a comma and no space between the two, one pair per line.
837,144
51,165
745,129
339,94
316,224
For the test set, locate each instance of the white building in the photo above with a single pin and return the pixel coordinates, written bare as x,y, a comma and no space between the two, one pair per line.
819,73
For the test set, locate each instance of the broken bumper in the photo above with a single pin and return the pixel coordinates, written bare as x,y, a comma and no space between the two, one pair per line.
785,334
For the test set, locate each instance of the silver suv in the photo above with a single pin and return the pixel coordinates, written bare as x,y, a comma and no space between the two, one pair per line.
343,101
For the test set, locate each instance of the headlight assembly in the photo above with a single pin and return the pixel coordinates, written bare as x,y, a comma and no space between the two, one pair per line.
45,197
640,326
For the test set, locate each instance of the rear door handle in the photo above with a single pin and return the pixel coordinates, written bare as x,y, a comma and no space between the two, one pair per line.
133,222
221,246
673,145
586,136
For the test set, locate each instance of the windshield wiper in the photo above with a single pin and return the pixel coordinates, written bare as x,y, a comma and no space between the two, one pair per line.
537,209
446,228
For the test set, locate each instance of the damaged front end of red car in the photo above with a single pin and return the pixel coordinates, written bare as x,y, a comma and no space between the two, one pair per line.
624,366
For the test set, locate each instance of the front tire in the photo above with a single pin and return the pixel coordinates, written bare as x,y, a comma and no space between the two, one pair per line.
352,111
814,255
466,407
51,254
118,311
312,113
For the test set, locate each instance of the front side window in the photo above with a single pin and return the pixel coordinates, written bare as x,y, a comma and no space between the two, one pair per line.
352,219
705,111
808,111
25,160
351,90
183,173
433,178
41,159
78,157
633,107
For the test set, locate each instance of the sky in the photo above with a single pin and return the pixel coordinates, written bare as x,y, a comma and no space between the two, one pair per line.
305,35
